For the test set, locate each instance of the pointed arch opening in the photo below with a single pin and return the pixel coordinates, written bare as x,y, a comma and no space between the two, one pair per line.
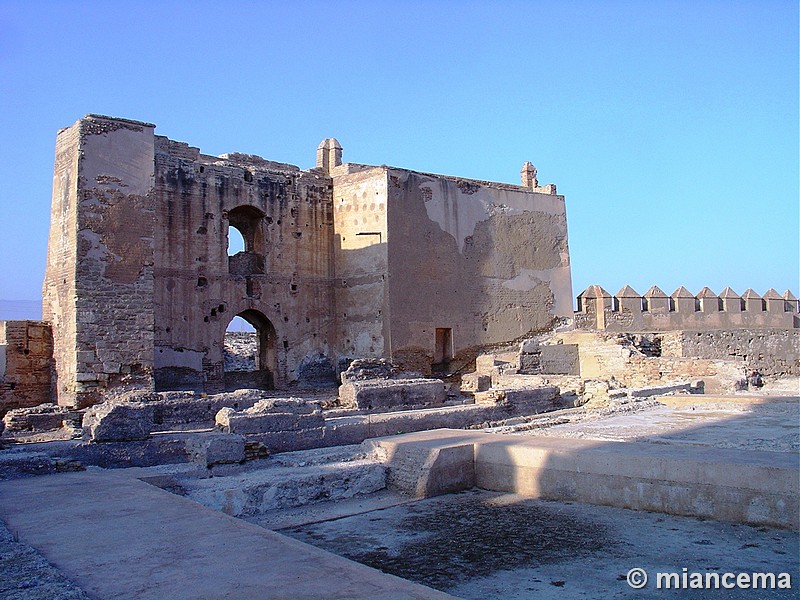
250,352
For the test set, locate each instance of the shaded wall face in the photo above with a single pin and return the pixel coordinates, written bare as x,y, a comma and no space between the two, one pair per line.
491,264
98,289
58,290
283,280
359,204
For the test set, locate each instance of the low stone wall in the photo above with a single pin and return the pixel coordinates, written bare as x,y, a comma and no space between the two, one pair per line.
605,356
44,417
730,485
271,416
117,432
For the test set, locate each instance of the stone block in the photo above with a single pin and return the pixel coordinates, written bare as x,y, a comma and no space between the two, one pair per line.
271,415
529,346
475,382
392,393
484,363
44,417
216,448
117,422
367,369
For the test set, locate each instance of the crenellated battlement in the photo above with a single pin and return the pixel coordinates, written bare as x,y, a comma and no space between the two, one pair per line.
628,310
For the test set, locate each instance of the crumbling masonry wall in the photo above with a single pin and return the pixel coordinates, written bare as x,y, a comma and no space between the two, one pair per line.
340,261
26,350
362,261
771,352
99,288
280,283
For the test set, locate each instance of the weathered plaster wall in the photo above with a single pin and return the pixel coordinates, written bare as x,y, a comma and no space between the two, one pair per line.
99,281
282,284
488,261
362,265
26,350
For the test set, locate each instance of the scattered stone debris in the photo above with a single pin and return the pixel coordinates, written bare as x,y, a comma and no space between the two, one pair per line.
364,369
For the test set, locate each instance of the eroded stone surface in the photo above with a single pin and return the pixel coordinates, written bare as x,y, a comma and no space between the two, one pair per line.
272,415
392,393
119,421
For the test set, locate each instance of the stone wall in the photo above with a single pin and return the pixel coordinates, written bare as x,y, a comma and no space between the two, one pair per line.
771,352
281,283
655,311
633,361
26,349
471,264
362,263
98,289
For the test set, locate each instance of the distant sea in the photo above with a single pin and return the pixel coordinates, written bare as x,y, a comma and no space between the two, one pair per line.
20,310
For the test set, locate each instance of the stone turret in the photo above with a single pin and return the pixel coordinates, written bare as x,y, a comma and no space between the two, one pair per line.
528,174
329,154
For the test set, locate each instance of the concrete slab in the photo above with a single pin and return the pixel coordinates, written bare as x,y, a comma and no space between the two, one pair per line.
117,537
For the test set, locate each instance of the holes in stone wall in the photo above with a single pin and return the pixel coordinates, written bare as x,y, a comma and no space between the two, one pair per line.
202,282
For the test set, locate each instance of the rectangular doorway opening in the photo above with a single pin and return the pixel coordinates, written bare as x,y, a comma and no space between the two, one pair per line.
443,351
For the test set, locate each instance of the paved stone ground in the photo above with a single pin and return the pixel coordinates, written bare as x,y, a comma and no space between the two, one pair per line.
736,422
26,575
479,544
119,538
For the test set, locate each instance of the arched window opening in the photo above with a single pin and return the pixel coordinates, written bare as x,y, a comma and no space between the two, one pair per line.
235,241
250,358
246,246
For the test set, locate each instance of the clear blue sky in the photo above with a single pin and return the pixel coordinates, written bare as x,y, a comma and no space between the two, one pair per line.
670,126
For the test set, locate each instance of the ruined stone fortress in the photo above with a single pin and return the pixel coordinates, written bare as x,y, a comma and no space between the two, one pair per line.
341,261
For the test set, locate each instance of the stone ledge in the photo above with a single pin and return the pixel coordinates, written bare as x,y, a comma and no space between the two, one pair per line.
758,488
